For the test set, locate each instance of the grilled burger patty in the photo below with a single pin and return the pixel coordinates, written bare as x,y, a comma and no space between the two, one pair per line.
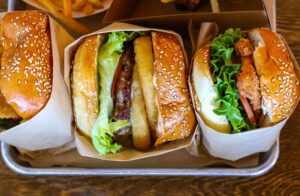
123,95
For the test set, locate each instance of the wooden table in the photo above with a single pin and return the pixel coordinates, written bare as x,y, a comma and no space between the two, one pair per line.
283,179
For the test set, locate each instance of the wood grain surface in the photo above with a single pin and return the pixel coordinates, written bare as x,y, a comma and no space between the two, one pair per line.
283,179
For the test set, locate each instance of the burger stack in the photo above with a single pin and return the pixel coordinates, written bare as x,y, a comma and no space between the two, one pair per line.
129,90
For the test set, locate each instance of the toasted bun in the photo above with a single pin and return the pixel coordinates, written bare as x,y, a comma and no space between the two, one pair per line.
26,63
84,84
6,111
205,93
278,80
176,119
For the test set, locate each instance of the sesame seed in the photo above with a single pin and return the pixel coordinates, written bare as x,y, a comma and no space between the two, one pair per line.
273,80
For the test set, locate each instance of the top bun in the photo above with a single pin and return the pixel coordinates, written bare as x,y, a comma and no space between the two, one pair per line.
176,119
278,80
26,63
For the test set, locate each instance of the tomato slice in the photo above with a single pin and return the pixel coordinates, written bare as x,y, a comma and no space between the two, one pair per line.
233,59
115,80
248,109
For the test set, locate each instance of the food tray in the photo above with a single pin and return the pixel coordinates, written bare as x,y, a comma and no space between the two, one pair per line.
10,155
266,162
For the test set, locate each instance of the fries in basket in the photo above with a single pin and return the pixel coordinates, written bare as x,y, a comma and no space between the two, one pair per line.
62,10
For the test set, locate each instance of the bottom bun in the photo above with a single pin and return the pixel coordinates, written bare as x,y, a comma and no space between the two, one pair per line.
205,92
84,84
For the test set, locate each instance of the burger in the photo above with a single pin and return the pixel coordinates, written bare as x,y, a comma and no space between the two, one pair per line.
26,66
129,89
242,81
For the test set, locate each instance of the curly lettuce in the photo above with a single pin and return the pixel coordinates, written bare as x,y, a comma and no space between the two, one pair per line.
108,59
223,71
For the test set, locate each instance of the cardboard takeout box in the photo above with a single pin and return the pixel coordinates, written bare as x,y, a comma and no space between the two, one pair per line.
153,13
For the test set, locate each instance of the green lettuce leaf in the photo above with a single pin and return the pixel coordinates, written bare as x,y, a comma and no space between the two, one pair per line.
108,59
6,124
223,71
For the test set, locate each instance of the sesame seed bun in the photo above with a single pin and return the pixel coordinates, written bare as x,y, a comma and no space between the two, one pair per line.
6,111
279,84
278,80
84,83
169,104
176,119
26,63
205,93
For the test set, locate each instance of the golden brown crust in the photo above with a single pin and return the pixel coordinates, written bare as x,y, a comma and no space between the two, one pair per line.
145,64
84,84
176,119
26,63
278,80
6,111
138,116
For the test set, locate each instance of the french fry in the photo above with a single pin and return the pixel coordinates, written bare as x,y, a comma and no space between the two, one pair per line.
138,116
215,6
78,4
71,23
166,1
88,9
68,8
145,63
96,3
58,4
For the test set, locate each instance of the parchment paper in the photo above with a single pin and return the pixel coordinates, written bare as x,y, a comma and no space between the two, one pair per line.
83,144
236,146
176,159
51,127
75,14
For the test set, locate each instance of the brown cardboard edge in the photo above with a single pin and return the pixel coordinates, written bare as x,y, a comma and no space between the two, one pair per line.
112,10
270,14
107,20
